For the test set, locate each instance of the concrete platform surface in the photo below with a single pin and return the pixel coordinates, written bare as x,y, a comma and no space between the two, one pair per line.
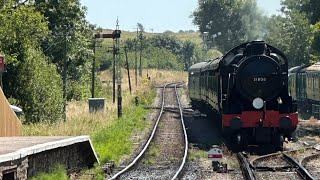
12,148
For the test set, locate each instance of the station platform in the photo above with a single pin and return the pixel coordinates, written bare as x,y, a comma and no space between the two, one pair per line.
23,157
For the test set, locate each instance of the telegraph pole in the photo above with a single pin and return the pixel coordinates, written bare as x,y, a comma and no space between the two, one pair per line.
140,68
114,73
117,31
65,76
93,69
127,63
205,34
136,59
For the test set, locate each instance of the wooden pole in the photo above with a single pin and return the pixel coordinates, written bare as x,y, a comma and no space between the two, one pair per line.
93,69
114,75
127,63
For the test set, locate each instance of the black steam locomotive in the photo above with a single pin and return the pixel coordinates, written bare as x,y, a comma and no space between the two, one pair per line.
248,89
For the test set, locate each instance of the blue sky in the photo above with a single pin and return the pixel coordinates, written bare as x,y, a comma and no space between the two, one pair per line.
158,16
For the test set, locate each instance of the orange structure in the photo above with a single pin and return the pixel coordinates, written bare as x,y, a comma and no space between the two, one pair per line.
10,124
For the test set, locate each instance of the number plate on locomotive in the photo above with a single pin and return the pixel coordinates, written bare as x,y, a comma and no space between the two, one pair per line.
259,79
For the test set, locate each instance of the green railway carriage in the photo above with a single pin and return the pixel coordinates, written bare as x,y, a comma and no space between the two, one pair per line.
210,83
304,85
194,82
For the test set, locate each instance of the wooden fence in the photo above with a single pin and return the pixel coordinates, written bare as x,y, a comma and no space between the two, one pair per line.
10,124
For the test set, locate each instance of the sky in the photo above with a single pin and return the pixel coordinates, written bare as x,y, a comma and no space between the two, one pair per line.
155,16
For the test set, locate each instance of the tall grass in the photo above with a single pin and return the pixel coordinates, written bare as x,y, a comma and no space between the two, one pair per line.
112,142
106,130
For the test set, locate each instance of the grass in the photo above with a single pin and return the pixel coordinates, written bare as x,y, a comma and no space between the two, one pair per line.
112,142
194,154
111,136
59,172
152,153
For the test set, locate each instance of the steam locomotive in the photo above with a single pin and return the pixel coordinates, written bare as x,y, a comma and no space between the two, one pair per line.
248,89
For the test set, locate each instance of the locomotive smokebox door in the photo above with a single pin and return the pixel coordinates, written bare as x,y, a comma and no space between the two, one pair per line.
2,64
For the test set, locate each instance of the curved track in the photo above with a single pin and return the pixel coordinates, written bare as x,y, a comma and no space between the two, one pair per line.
312,164
164,155
280,165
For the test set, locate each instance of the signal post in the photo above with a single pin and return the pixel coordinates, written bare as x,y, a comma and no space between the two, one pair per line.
116,64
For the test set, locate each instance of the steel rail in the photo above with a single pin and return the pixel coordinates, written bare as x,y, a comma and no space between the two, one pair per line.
253,162
302,172
185,136
152,135
148,142
246,167
299,168
304,161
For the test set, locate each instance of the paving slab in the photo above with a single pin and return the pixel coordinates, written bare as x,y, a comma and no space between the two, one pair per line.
12,148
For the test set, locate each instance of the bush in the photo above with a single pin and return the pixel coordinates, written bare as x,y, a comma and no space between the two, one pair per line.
40,95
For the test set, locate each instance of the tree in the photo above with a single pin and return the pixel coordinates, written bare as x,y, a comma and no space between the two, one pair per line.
69,32
291,34
187,52
40,88
30,80
311,10
310,7
237,20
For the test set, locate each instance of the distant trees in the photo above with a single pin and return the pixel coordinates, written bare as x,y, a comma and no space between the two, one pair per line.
238,21
165,51
296,31
310,10
290,33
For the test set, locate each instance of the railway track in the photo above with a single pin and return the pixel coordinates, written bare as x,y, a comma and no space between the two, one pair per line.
164,154
280,165
312,164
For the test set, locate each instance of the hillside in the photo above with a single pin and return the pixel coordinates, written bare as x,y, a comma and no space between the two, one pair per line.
192,36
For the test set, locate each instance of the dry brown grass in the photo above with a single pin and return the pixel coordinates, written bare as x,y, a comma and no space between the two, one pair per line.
311,122
81,122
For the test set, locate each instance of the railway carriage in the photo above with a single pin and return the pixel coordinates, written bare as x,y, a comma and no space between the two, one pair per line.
304,86
248,88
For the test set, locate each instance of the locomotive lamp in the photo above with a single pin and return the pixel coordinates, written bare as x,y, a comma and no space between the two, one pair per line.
257,103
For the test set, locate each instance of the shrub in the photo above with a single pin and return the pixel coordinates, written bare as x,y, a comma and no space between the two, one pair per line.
41,88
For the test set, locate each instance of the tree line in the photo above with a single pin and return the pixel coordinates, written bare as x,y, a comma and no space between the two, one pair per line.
296,30
41,39
45,41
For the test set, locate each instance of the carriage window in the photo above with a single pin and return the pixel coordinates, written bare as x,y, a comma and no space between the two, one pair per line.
313,81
